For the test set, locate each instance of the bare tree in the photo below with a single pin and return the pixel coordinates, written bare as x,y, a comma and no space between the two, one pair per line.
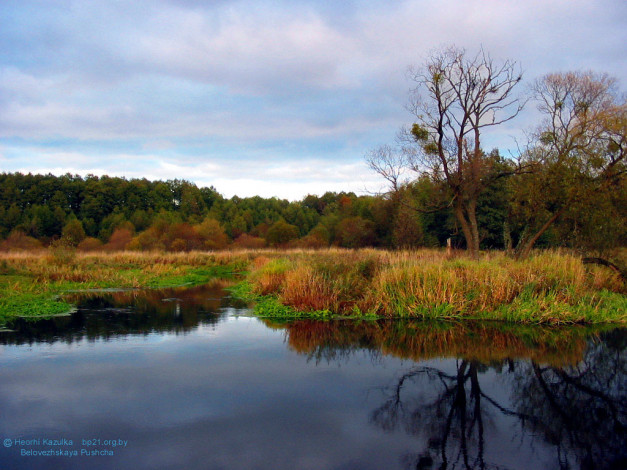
455,98
390,163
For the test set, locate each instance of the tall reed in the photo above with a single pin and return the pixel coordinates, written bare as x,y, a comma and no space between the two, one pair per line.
550,287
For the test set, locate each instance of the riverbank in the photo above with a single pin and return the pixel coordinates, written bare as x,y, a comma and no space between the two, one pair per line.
549,287
31,285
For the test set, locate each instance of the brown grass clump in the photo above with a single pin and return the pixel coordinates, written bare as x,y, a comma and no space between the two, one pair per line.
306,289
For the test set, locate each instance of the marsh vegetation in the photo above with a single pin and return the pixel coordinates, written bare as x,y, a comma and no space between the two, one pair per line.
548,287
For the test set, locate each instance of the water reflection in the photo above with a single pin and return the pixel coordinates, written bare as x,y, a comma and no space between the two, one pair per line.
566,388
102,315
484,342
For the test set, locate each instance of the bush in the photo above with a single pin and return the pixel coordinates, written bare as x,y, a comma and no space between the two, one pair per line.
90,244
148,240
318,237
212,234
281,233
19,241
245,241
182,237
119,240
73,233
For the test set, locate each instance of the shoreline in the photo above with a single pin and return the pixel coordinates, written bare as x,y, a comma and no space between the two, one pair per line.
548,288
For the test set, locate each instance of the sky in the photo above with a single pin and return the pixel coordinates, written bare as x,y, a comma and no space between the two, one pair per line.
270,98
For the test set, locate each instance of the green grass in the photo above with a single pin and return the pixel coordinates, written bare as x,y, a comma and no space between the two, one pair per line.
603,307
32,287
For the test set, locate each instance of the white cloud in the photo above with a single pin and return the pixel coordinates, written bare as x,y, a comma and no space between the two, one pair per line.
312,86
290,180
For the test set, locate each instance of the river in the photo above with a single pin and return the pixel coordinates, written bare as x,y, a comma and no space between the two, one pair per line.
190,379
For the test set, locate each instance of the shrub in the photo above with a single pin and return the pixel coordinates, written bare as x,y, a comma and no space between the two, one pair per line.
148,240
318,237
73,232
281,233
90,244
182,237
19,241
245,241
212,234
119,240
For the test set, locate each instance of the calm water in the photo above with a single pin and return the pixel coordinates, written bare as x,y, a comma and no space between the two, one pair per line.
182,379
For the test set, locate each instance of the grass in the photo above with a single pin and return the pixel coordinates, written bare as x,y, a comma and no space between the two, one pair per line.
550,287
32,285
270,307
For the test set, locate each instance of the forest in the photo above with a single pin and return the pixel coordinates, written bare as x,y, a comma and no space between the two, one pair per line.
109,213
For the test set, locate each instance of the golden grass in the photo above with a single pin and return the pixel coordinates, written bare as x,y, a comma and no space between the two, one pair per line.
555,286
550,286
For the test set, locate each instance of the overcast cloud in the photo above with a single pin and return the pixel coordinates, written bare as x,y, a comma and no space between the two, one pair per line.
276,98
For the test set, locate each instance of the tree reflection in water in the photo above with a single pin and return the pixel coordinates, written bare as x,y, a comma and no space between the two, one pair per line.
566,386
582,409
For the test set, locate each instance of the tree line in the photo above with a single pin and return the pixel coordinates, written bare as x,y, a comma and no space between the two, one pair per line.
114,213
117,213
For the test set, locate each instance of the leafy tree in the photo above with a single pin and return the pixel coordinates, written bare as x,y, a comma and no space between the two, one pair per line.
73,232
141,219
192,203
355,232
318,237
579,156
12,217
407,229
212,234
113,221
281,233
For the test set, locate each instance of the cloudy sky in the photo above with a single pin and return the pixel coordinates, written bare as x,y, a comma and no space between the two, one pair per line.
271,98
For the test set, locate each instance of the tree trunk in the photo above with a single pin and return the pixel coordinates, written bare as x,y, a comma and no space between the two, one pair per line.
525,246
469,228
507,237
471,210
622,272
